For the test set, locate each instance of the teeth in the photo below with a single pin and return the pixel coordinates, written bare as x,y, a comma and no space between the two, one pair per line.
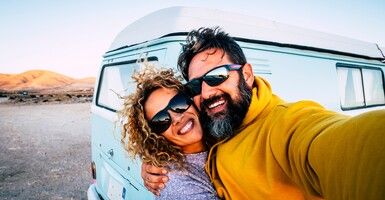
217,104
186,127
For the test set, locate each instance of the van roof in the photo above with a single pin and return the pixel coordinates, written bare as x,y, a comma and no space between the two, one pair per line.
181,20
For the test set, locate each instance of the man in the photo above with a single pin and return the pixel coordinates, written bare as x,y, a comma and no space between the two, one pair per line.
270,149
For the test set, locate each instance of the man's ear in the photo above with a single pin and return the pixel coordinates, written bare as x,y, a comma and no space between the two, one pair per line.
248,74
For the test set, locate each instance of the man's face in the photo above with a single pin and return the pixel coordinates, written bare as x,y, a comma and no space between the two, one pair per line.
223,107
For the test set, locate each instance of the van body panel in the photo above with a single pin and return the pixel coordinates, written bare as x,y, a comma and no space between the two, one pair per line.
115,169
184,19
295,75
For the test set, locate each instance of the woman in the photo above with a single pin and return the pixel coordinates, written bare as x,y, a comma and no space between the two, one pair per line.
163,128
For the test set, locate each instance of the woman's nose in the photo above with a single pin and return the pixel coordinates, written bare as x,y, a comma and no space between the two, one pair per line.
175,117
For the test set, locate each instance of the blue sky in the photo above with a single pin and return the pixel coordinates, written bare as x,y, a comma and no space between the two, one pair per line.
70,36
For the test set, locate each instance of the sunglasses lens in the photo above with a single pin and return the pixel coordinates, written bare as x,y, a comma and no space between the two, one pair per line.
160,122
180,103
215,80
194,87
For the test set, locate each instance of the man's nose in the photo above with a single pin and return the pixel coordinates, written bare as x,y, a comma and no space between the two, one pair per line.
207,91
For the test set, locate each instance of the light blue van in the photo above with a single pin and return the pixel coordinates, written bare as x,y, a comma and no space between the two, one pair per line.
343,74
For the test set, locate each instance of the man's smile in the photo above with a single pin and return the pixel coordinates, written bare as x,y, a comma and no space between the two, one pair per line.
215,105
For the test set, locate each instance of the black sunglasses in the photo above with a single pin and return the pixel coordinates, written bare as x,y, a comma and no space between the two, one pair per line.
162,120
214,77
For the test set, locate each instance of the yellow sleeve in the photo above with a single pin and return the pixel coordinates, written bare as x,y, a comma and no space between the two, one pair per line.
328,154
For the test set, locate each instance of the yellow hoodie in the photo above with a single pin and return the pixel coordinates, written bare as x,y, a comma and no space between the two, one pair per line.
300,151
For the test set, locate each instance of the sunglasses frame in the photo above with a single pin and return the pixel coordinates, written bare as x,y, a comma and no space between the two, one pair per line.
166,123
192,85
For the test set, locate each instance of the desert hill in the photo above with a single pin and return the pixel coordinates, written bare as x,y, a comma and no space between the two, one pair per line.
38,80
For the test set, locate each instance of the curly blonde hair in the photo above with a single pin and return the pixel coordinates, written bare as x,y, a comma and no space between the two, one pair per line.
137,137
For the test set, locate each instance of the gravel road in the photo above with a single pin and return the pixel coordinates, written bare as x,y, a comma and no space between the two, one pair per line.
44,151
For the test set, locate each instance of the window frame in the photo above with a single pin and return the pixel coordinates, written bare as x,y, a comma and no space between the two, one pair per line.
361,67
149,59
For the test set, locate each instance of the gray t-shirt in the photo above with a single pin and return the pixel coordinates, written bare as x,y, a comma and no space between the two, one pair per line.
190,184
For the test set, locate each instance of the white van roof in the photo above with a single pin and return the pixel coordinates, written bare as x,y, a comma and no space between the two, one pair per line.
184,19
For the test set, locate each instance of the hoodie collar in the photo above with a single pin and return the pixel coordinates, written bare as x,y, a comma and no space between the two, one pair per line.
261,102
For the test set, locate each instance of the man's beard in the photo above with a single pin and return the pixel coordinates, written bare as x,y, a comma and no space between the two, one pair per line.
223,124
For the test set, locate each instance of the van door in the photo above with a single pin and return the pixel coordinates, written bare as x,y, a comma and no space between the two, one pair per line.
117,175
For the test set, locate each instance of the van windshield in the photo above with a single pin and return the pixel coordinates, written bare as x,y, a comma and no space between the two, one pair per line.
116,83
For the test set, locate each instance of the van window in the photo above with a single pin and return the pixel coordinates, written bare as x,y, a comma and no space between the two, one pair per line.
360,86
116,82
261,65
373,84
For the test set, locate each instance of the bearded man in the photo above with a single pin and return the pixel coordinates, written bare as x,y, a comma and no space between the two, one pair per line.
266,148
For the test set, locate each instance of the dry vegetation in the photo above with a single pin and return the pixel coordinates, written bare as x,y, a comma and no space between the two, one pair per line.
33,97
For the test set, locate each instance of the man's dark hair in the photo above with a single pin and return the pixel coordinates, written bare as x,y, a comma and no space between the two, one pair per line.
207,38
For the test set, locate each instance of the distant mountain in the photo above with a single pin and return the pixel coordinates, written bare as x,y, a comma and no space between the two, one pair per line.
43,80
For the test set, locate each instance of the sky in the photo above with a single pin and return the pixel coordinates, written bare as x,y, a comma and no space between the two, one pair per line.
70,36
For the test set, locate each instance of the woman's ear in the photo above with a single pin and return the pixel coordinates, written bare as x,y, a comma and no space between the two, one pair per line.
248,74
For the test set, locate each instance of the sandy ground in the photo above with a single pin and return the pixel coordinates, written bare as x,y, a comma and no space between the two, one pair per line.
44,151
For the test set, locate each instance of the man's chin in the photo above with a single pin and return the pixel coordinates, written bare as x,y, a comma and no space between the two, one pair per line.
218,115
220,127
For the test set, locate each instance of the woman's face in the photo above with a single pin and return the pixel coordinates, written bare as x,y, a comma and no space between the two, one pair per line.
185,129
